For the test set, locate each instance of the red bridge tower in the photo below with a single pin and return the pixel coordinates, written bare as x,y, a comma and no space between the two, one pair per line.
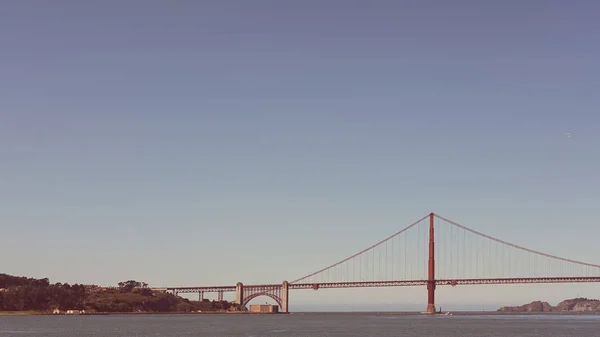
431,276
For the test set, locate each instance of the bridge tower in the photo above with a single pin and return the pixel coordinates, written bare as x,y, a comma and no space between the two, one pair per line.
431,274
239,293
285,296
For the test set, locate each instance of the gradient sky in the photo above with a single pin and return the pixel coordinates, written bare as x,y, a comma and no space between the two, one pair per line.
209,142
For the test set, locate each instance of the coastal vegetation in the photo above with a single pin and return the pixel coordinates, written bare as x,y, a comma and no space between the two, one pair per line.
22,294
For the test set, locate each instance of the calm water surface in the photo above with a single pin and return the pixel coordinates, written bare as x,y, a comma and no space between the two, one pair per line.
301,325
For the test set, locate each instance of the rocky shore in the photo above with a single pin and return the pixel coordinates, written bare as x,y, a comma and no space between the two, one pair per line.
571,305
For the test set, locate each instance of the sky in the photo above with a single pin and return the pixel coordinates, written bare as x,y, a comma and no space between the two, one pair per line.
210,142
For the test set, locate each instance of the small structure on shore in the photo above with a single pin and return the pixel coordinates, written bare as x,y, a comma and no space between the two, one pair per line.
75,312
264,308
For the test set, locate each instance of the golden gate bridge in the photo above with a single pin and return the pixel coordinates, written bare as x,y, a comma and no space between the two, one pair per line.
446,254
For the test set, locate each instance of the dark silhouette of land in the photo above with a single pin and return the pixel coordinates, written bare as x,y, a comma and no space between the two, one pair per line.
21,294
575,305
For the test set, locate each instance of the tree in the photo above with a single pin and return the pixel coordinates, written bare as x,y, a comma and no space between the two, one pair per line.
128,286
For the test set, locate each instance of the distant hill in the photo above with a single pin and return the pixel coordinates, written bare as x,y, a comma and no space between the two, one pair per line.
571,305
28,294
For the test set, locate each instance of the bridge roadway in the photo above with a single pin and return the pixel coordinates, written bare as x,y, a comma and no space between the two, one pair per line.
279,292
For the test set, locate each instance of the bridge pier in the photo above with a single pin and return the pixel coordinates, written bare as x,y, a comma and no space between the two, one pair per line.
220,296
239,293
285,293
201,296
431,276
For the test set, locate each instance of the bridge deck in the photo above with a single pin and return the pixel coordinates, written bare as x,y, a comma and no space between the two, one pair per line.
399,283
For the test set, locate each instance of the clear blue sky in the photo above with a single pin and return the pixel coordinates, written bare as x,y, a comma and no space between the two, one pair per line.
210,142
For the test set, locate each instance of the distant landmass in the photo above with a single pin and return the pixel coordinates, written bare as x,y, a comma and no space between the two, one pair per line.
21,294
572,305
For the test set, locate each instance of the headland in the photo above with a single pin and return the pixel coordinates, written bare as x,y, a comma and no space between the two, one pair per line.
575,305
29,296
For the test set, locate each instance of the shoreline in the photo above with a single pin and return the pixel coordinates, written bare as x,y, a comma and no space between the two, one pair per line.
45,313
402,313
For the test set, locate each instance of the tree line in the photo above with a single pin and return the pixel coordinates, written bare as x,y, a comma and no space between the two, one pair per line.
28,294
24,294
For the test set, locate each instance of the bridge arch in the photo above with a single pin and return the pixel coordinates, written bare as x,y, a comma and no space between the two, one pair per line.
249,298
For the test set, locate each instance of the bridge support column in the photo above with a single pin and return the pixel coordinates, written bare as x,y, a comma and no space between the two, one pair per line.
220,296
201,296
285,296
239,293
431,276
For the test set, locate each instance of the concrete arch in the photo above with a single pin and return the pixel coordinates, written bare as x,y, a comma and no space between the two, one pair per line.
276,298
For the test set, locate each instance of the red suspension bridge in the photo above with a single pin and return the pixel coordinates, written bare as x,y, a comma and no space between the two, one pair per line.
433,251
